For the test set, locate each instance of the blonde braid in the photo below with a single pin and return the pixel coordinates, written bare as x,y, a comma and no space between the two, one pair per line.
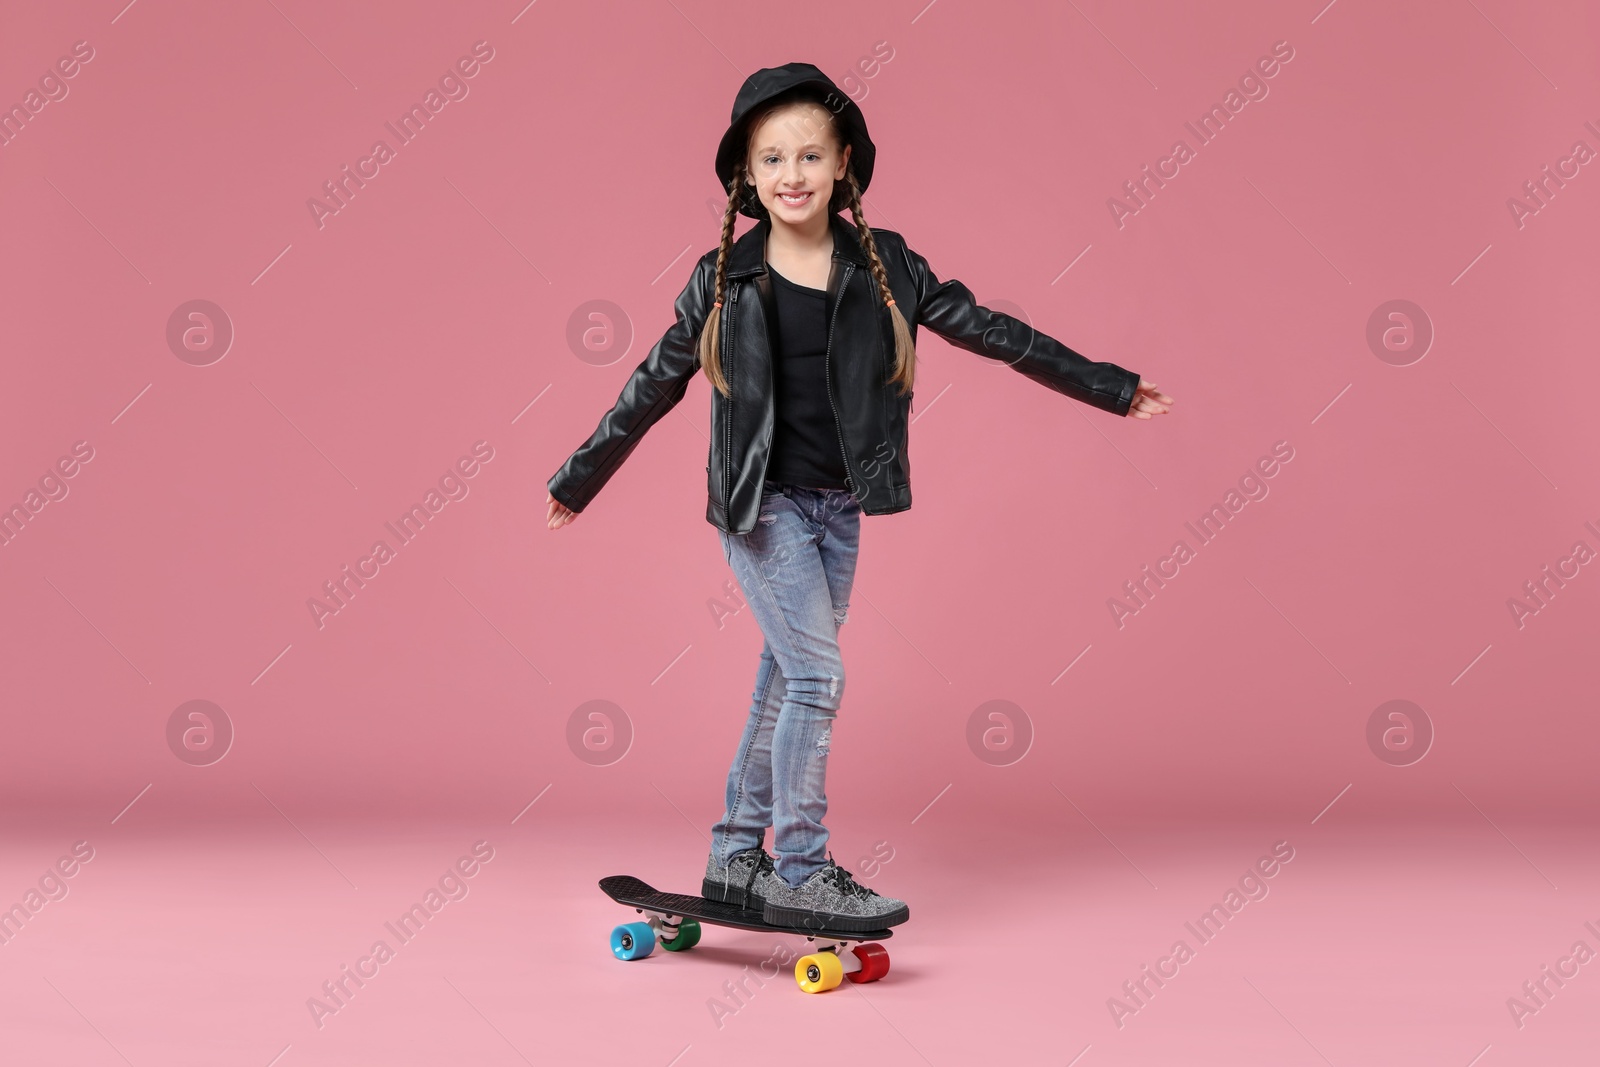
710,348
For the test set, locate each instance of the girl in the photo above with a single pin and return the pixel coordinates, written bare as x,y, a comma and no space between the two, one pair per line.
806,327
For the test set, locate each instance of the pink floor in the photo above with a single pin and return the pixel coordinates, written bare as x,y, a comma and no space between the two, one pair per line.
1397,944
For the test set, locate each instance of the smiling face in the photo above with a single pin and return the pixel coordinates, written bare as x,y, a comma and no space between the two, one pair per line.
794,161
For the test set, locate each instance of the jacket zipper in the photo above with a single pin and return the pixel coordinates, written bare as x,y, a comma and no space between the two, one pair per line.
827,382
727,403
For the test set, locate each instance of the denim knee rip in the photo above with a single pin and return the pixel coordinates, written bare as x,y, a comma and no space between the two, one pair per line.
822,741
768,517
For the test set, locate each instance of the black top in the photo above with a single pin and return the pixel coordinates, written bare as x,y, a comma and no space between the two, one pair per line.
806,450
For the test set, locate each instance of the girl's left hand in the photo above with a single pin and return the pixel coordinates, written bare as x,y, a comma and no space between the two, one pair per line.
1149,401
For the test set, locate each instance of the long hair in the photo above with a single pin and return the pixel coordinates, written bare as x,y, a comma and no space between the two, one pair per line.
905,356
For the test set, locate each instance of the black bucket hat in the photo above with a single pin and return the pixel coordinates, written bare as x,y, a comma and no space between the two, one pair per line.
770,82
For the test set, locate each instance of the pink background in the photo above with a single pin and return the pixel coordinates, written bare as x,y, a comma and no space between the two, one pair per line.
435,310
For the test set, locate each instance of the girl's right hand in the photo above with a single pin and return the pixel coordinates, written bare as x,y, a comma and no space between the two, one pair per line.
1149,401
558,514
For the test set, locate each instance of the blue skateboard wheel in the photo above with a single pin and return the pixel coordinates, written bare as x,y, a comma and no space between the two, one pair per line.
633,941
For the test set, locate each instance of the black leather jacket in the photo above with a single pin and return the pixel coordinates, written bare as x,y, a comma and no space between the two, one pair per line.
872,417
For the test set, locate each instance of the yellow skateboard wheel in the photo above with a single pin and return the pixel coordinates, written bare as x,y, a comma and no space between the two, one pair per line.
818,972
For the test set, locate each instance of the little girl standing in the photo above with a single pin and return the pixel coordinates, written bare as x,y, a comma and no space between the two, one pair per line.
805,328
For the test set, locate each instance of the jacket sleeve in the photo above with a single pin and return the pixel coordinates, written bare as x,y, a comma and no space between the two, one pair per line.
949,310
656,384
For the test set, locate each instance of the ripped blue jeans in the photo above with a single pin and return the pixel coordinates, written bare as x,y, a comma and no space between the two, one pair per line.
795,569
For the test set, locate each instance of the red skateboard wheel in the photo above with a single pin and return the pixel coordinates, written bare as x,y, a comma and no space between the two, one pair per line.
874,962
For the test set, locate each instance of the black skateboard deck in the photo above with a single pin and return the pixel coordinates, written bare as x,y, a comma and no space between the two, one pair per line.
625,889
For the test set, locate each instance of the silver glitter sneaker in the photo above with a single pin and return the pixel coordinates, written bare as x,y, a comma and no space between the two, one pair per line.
742,881
831,899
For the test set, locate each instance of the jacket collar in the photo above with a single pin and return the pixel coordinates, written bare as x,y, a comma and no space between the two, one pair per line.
749,253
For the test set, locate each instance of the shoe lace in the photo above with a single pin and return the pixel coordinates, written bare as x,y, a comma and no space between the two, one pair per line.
840,878
762,864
